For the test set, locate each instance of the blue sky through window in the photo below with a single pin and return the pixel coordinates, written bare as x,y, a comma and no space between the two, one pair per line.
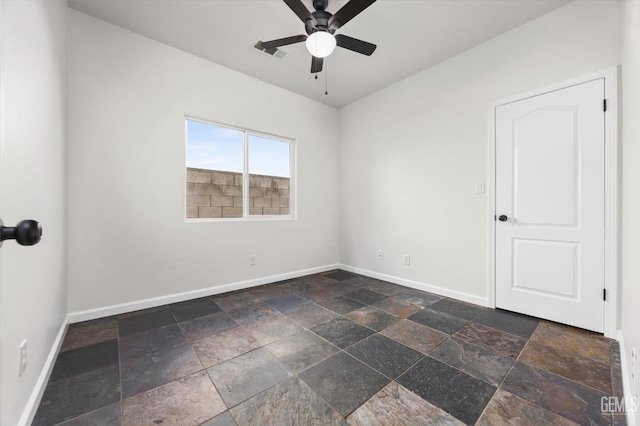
219,148
268,157
213,147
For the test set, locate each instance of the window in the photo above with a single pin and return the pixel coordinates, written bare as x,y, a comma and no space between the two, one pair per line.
237,174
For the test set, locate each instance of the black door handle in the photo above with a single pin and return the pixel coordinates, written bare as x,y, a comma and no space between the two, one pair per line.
26,233
502,218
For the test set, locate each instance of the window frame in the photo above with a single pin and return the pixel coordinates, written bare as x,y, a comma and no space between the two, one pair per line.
246,217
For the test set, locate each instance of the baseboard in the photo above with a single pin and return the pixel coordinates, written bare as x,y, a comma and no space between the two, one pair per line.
442,291
106,311
33,403
626,386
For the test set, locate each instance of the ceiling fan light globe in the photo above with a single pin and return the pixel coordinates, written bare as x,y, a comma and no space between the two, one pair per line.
321,44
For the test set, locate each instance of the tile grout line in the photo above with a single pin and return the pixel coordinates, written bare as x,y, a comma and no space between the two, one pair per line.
391,380
504,379
340,350
378,332
532,366
294,375
171,381
556,374
201,363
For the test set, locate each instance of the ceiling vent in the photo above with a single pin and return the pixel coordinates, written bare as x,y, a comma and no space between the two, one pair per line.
274,52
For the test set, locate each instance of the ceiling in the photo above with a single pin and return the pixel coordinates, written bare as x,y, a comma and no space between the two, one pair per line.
411,35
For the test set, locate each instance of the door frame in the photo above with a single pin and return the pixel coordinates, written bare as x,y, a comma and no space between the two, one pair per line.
611,284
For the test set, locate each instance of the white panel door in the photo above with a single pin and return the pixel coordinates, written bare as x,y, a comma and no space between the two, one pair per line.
550,192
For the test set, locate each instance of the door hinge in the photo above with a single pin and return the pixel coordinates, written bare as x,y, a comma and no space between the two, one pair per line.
604,105
604,294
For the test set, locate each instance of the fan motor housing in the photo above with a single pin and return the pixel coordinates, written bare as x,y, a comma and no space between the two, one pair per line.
322,22
320,4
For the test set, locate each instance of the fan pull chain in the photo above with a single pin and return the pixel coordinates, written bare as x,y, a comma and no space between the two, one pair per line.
326,78
316,76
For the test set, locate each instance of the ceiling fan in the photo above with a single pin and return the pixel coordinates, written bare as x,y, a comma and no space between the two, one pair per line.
320,26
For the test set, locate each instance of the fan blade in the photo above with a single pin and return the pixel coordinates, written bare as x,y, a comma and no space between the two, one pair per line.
300,10
316,64
348,12
283,41
356,45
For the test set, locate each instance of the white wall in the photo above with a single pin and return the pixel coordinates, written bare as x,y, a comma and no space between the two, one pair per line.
33,284
631,188
412,154
128,240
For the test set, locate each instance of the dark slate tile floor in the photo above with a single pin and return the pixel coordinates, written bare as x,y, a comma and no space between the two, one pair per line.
336,349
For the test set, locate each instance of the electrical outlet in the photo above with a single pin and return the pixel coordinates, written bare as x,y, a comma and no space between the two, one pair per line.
23,358
252,259
633,365
407,259
380,255
480,188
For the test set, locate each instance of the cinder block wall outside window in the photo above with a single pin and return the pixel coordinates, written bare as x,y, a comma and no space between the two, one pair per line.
218,194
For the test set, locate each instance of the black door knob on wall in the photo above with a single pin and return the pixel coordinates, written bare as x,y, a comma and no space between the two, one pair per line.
26,233
502,218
